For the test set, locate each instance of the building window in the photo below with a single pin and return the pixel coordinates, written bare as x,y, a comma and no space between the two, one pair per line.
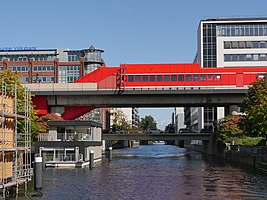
244,44
244,57
209,45
43,68
66,75
19,68
242,30
24,79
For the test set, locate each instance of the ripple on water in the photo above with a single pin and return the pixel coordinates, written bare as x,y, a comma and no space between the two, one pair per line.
154,172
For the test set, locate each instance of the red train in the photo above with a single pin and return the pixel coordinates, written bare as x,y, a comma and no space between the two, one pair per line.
134,76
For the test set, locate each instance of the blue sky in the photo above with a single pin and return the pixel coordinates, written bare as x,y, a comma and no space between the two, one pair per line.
129,31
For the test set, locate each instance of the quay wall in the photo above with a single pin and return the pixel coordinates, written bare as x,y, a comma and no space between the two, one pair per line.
253,157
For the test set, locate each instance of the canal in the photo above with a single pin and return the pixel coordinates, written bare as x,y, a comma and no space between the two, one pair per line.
155,171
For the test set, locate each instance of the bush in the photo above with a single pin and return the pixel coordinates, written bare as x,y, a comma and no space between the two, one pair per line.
229,128
250,141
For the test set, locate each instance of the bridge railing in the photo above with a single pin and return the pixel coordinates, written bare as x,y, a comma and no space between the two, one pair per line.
66,137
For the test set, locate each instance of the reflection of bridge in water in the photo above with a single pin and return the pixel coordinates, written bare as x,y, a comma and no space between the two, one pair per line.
156,137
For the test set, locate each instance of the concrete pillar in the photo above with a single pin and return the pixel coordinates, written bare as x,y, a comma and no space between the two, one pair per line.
38,174
200,118
110,153
76,154
43,160
91,157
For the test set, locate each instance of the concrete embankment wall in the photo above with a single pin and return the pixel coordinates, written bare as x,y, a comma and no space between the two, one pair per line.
254,157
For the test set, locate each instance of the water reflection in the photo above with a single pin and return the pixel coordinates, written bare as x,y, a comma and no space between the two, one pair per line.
155,172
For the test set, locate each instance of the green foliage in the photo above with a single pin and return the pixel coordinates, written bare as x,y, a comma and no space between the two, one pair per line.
228,128
43,126
249,141
11,79
119,121
169,129
255,106
124,125
148,122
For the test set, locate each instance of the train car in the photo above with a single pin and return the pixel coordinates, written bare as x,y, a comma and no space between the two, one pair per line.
172,76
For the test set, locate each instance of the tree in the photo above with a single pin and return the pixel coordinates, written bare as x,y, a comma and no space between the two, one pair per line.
254,122
169,128
42,121
11,79
148,122
229,128
119,121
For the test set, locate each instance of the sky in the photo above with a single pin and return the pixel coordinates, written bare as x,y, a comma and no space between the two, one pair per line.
129,31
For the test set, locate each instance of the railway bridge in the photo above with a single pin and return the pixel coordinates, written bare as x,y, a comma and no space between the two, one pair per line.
75,99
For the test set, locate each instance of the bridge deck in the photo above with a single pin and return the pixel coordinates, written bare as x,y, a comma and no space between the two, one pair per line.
156,137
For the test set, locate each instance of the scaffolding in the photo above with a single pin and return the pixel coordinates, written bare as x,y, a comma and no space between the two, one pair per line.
15,141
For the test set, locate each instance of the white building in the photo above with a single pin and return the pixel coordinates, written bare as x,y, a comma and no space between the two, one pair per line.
227,42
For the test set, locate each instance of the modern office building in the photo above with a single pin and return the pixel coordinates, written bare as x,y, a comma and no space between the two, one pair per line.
53,66
50,65
227,42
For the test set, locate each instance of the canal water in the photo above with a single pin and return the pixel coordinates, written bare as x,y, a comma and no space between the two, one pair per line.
155,171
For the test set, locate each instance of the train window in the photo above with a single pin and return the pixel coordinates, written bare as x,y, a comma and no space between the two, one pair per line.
173,77
188,77
130,78
159,78
145,78
202,77
217,77
195,77
137,78
180,77
166,78
210,77
152,78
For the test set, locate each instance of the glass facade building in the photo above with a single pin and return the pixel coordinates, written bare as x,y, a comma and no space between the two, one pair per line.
227,42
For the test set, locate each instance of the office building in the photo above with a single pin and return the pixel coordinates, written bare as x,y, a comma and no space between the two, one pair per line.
227,42
52,66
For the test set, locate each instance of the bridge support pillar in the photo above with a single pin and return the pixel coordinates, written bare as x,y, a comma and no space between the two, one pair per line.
57,109
210,144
